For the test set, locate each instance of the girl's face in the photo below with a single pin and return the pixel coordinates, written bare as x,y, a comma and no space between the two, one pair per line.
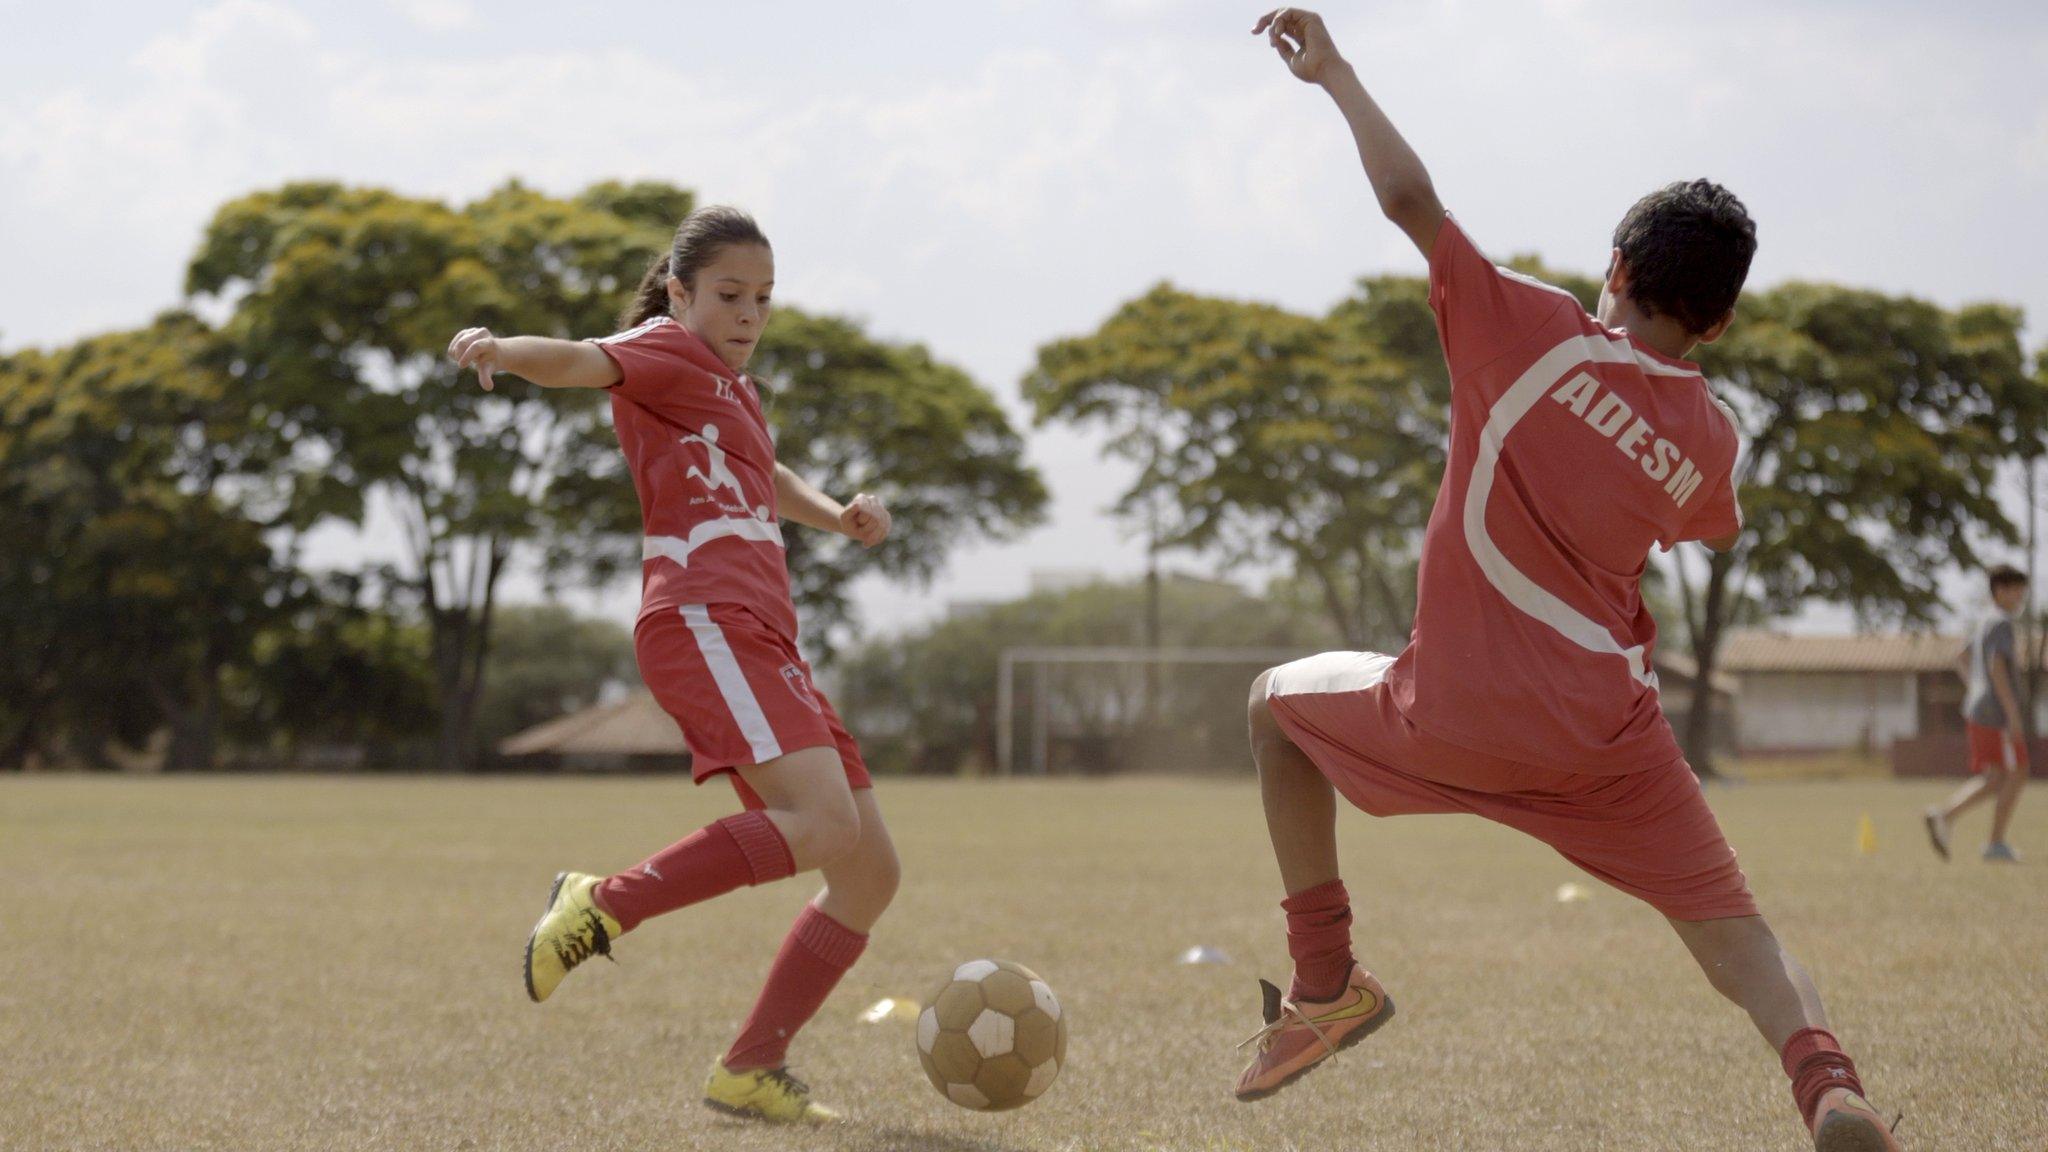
726,305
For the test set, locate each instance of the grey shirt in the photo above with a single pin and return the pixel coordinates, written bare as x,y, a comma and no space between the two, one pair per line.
1993,636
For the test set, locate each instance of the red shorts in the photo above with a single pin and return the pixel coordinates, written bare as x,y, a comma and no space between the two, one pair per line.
739,690
1995,748
1648,833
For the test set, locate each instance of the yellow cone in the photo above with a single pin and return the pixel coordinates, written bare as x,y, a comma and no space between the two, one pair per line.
1866,835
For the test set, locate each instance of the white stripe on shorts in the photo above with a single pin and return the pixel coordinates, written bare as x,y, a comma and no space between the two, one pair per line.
732,683
1329,672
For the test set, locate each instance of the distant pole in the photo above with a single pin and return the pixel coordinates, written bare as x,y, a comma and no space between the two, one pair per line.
1041,710
1006,721
1150,711
2027,618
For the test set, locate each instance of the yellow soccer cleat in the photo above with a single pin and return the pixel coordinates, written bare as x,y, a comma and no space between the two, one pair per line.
572,930
769,1094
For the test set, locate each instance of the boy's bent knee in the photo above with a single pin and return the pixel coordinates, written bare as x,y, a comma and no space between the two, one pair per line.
1260,685
1259,711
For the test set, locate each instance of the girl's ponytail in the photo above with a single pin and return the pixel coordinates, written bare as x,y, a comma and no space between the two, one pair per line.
650,299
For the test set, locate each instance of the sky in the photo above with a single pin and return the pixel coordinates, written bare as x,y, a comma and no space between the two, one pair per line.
984,178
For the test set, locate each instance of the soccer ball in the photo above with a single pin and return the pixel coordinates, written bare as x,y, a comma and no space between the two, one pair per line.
993,1037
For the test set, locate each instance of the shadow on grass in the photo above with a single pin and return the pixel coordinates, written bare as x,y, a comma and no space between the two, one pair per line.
912,1140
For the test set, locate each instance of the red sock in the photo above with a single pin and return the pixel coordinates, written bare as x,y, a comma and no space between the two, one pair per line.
815,954
1319,939
715,859
1816,1063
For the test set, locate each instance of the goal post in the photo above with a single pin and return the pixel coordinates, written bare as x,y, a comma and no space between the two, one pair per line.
1041,661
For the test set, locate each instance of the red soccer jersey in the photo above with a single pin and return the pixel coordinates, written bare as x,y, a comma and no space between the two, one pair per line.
704,467
1573,449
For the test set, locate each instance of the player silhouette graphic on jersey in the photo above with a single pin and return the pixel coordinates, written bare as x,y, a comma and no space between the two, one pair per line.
716,474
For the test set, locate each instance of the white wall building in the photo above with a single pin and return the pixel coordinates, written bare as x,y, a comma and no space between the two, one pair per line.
1835,693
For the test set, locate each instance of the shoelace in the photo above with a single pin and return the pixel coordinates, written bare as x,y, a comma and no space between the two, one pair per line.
580,948
1264,1036
786,1080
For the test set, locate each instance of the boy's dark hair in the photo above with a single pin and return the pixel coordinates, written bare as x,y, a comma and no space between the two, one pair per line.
699,239
1687,247
2005,576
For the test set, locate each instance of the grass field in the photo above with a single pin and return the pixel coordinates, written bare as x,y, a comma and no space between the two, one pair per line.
333,964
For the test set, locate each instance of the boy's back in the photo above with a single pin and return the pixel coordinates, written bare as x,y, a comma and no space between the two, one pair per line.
1574,450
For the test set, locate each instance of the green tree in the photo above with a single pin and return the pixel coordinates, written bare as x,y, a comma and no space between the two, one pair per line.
1874,428
547,661
135,486
340,665
343,301
1264,434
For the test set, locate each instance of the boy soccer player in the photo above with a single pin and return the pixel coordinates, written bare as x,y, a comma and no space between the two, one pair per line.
1993,717
1527,693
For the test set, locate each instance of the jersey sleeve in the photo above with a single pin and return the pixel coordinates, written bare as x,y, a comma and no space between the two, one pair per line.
1482,310
1718,513
653,371
1719,517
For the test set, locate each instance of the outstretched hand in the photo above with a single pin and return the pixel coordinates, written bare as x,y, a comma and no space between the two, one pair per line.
475,348
866,520
1302,41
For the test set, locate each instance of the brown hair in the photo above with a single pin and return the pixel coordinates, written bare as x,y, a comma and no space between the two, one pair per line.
2005,576
701,236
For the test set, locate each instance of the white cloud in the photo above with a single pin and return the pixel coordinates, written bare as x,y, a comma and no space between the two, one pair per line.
223,31
437,15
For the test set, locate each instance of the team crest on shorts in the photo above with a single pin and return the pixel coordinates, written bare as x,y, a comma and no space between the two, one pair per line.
793,675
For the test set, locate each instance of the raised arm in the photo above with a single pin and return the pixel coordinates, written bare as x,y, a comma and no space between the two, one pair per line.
1398,178
547,362
864,519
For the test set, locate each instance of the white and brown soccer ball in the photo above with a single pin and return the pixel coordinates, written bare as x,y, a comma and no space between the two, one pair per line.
993,1036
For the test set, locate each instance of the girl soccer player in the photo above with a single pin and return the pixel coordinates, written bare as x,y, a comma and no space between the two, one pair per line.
716,642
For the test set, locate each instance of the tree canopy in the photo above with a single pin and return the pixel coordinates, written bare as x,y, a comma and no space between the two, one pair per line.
160,481
1875,430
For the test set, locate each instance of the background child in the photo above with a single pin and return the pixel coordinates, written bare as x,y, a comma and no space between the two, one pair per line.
1994,719
1527,693
716,643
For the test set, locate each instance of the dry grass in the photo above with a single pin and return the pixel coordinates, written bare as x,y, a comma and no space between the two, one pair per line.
314,963
1814,766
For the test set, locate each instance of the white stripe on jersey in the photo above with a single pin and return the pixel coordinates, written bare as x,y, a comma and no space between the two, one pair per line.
630,333
678,549
1509,581
732,683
